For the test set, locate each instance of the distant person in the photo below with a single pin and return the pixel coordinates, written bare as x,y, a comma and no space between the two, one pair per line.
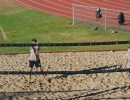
121,18
34,57
98,13
128,60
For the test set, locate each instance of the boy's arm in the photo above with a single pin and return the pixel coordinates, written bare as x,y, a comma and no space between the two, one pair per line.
126,62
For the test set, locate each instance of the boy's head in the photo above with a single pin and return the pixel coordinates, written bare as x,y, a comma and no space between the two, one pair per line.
129,48
34,41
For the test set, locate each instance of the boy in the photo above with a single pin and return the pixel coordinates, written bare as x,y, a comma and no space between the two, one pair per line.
34,57
128,60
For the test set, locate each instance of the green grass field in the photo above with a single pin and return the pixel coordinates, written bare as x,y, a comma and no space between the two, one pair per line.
21,25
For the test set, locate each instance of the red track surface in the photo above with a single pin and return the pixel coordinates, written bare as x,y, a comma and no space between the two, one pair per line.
64,8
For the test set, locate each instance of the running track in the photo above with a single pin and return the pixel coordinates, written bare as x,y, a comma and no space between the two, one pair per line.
64,8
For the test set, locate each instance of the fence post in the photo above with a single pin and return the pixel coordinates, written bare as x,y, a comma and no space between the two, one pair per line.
73,13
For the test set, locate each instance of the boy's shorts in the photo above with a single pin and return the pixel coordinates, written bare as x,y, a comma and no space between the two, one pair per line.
128,66
128,70
32,63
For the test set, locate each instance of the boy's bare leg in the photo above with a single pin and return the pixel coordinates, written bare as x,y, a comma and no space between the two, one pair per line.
41,69
30,75
44,78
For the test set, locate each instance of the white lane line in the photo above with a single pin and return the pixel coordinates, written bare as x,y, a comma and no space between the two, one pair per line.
96,2
50,1
3,33
124,5
65,2
36,8
128,2
49,6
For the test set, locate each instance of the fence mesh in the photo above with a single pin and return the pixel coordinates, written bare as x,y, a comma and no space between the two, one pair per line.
57,47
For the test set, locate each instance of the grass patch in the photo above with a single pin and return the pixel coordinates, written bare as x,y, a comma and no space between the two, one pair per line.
22,25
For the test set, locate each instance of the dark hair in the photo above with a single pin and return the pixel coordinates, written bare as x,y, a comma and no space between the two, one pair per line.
34,40
129,47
